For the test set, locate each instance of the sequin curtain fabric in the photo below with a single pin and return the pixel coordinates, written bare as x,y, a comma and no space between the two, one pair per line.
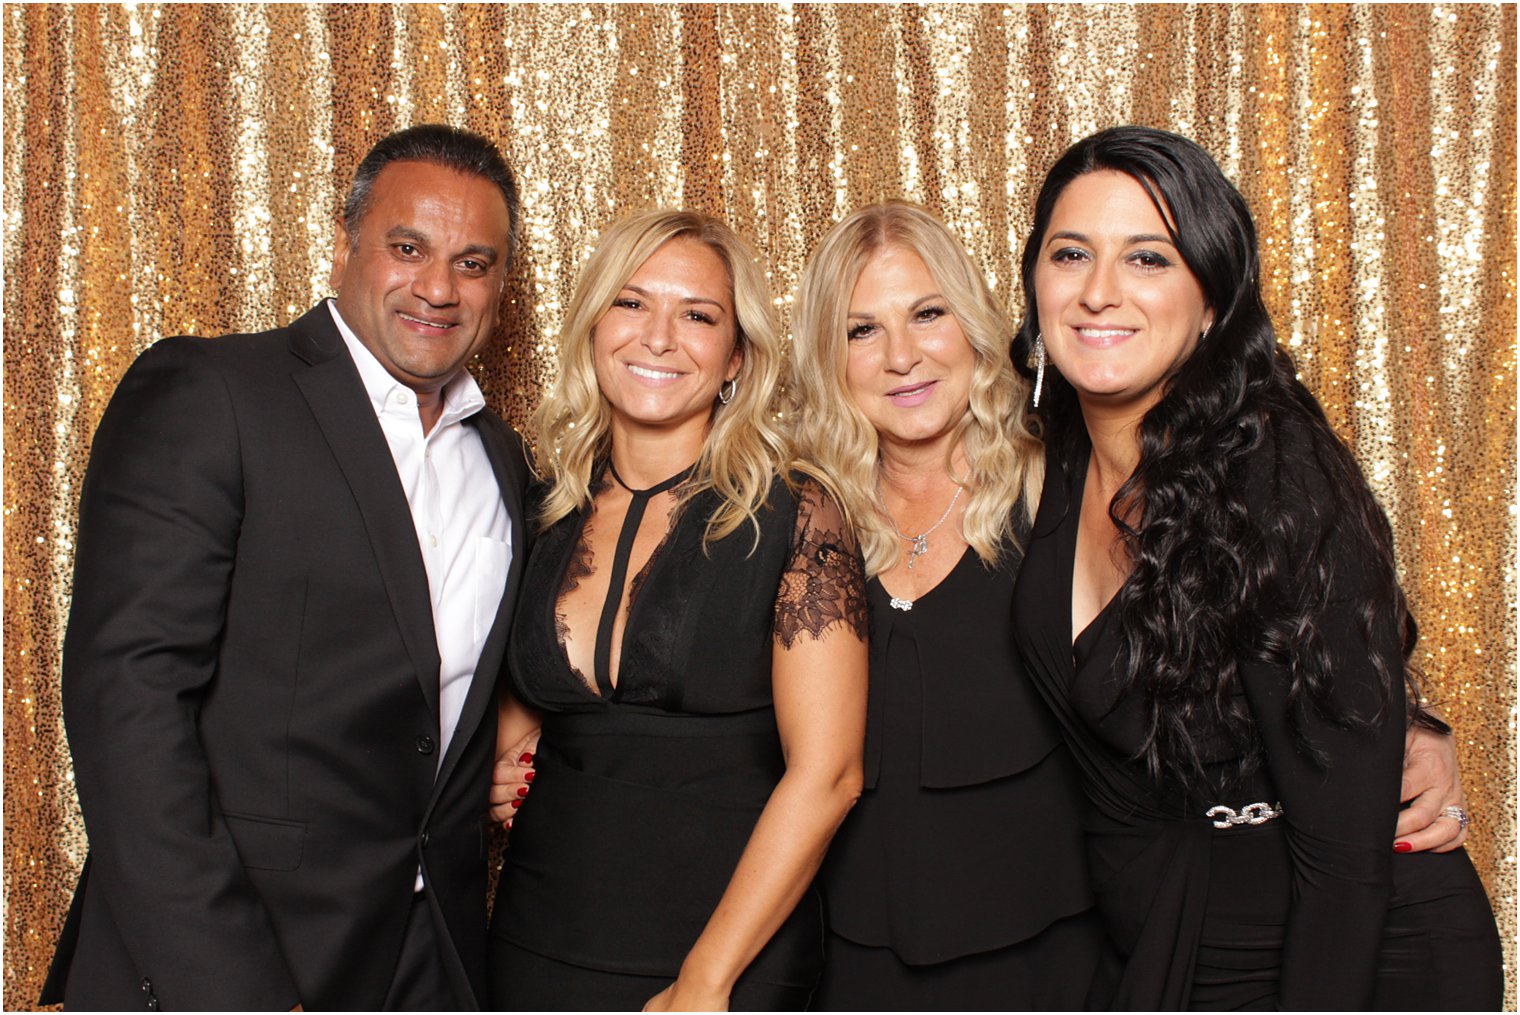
176,168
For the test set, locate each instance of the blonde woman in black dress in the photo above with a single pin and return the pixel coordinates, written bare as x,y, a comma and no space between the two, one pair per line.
691,638
958,882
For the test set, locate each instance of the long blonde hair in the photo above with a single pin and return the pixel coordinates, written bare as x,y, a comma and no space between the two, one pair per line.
1004,456
744,447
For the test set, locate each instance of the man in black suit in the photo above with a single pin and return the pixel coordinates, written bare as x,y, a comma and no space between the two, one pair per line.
297,556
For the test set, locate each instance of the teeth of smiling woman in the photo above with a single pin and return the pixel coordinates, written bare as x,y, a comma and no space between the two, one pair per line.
1105,332
654,375
425,324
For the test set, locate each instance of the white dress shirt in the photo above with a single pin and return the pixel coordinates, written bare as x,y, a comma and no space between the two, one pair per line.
461,522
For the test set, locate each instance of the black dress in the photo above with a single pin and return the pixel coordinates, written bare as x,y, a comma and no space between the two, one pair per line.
646,794
958,881
1312,910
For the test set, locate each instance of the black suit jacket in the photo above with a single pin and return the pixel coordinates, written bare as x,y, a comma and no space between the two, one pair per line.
250,687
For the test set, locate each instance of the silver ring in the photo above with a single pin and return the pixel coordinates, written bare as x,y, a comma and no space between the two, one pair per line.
1456,814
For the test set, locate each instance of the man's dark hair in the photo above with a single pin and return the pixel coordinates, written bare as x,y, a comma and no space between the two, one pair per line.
461,150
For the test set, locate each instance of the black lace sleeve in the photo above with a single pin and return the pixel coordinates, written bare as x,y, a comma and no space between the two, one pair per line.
824,582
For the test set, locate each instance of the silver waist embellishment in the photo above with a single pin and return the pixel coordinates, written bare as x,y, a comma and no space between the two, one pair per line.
1258,813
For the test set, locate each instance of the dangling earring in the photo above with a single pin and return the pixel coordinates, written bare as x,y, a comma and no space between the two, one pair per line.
728,396
1039,368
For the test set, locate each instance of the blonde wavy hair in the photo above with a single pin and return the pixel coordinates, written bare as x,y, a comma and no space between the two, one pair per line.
1005,458
744,448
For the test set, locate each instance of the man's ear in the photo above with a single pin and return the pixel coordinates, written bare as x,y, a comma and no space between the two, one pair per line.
343,243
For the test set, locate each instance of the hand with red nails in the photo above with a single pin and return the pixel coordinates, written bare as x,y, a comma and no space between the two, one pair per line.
1431,784
512,777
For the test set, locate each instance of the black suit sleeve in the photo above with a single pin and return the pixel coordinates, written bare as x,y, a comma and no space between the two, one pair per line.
158,530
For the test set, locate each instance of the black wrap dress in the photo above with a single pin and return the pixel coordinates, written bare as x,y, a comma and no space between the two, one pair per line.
1311,910
646,793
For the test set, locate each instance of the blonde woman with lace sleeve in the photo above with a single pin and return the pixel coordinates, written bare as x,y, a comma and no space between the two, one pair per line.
692,642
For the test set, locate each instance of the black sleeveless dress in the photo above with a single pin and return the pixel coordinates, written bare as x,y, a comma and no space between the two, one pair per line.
959,881
646,794
1311,910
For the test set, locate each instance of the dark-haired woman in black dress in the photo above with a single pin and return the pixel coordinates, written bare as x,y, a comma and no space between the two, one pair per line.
1209,604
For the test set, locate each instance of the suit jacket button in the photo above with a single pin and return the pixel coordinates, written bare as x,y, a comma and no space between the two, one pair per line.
424,744
424,840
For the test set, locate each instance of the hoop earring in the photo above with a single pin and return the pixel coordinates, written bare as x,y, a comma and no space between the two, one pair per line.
728,396
1039,369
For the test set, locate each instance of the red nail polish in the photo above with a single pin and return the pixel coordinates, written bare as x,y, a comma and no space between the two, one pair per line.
1402,847
528,776
526,759
522,791
516,803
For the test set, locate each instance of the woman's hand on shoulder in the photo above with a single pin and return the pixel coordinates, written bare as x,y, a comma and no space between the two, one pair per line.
680,996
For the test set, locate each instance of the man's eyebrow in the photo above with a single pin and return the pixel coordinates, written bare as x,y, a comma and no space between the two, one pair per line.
481,250
407,233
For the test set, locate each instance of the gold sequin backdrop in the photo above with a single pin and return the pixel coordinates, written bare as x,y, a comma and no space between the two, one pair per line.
175,169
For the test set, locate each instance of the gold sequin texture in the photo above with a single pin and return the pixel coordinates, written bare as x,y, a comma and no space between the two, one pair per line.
176,168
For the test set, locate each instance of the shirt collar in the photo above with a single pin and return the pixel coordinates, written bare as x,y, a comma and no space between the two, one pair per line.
461,395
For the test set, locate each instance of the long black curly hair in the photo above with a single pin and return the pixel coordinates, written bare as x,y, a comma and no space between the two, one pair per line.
1221,574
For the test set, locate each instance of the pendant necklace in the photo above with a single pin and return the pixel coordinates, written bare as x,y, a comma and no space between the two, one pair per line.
919,544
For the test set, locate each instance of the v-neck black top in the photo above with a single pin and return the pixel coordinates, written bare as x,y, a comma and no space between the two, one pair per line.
940,858
644,798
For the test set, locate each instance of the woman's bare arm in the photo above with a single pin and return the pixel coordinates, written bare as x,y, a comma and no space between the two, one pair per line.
820,692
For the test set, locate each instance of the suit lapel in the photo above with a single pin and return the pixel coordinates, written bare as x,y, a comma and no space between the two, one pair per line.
342,408
511,472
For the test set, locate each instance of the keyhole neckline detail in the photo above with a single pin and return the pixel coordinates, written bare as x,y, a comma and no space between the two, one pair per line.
602,656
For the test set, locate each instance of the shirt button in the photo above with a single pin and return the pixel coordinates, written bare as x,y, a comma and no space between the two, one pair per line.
424,744
401,398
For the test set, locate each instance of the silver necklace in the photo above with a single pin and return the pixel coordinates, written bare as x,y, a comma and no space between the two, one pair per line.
920,542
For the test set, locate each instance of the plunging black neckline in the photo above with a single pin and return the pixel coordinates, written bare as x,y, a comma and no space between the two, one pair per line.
602,656
1082,642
